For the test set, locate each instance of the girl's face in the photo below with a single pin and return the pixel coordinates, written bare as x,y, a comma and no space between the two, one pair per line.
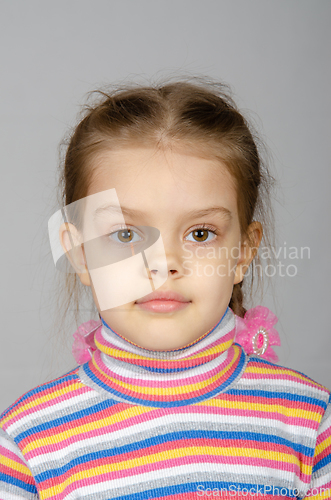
193,203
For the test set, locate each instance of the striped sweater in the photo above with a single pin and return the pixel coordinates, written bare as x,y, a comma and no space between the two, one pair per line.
202,421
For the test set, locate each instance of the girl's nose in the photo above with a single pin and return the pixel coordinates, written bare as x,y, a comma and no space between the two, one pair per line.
173,264
166,259
171,271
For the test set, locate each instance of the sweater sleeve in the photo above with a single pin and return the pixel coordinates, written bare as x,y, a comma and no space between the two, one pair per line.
320,485
16,480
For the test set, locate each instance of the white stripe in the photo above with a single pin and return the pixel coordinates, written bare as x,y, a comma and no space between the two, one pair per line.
5,495
293,384
121,369
185,470
10,446
325,425
164,421
321,481
49,410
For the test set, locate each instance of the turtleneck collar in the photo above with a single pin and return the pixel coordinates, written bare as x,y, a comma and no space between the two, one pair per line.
129,373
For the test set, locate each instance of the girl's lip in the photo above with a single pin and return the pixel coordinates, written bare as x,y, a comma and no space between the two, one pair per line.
162,306
163,302
163,296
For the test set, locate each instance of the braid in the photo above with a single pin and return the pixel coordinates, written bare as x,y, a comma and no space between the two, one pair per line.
237,298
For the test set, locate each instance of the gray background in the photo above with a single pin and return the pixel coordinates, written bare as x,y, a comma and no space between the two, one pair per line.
276,57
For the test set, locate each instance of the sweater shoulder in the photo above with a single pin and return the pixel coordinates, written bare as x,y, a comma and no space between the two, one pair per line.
271,374
44,396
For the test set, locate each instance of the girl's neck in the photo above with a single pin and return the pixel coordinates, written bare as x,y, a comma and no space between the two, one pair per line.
113,338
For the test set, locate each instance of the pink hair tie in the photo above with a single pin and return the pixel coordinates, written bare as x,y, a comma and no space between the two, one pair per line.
83,346
255,332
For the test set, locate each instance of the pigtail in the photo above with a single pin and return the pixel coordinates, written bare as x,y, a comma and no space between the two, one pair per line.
237,298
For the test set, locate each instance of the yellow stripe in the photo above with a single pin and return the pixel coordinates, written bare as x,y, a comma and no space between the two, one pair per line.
38,401
169,391
320,496
281,371
12,464
117,353
267,408
92,426
173,454
321,447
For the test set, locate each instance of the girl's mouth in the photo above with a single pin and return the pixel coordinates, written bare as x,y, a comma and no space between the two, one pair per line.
163,302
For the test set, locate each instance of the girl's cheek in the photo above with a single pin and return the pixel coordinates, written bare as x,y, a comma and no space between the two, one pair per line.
211,262
216,253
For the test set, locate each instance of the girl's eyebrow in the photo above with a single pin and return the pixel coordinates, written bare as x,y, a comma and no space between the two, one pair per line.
117,210
210,211
189,215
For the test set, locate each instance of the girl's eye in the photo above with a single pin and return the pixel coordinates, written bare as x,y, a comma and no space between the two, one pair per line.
123,236
201,235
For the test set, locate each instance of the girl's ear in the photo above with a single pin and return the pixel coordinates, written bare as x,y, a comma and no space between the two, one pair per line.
248,250
73,247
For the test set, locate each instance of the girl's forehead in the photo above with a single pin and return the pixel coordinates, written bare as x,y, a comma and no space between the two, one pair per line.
147,175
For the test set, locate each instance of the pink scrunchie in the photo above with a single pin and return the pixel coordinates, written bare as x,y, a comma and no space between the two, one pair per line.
255,332
83,346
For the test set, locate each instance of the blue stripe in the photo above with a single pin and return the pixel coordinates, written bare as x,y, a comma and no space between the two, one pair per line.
169,404
254,358
271,395
66,418
166,370
173,437
322,463
20,484
65,378
212,489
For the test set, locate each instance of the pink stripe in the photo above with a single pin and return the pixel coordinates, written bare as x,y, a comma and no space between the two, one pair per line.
46,404
160,413
176,397
297,421
117,426
322,437
325,486
214,443
184,362
169,383
284,403
197,459
18,403
9,454
189,460
48,390
323,454
173,397
167,365
176,462
220,341
280,375
153,414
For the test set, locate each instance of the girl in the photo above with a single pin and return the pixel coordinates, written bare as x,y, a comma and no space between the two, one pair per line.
161,188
